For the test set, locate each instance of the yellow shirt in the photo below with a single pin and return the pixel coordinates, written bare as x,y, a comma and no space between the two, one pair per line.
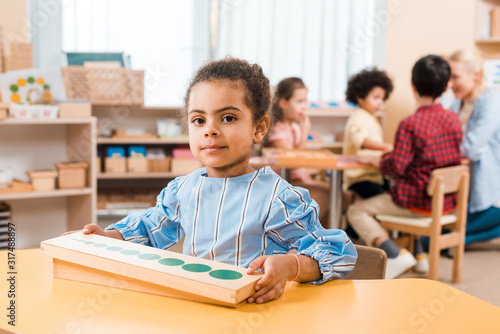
360,126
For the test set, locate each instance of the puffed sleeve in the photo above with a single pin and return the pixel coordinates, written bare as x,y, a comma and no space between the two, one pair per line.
357,134
293,224
158,226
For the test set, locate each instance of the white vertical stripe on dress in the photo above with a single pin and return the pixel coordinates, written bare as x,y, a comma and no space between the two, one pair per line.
271,201
242,219
196,215
217,220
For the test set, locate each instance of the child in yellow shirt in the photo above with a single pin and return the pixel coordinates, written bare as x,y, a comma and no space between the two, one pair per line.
363,134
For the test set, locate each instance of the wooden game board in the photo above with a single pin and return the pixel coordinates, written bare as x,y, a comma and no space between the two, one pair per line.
121,264
300,158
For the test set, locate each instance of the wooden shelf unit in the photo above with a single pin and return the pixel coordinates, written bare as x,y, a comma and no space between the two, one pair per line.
27,144
140,118
329,124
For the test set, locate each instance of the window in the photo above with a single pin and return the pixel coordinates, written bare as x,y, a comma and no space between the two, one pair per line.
321,41
160,36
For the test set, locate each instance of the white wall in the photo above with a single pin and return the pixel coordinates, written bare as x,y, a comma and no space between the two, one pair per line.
418,28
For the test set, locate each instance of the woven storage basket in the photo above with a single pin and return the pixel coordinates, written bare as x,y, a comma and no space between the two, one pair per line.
104,86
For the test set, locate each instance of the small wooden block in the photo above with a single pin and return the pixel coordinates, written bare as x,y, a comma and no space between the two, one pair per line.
111,262
15,186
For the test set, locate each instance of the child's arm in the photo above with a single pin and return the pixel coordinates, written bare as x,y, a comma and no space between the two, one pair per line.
278,270
284,144
158,226
370,144
293,224
305,128
398,163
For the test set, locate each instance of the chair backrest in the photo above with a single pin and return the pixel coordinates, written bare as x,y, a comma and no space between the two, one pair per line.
450,177
449,180
370,264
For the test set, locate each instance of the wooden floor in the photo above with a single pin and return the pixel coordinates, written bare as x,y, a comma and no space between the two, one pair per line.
481,271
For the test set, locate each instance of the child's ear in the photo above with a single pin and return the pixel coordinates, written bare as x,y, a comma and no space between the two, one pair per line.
261,128
282,103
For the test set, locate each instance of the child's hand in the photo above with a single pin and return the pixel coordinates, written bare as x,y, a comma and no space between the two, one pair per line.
278,269
373,160
387,149
90,229
305,124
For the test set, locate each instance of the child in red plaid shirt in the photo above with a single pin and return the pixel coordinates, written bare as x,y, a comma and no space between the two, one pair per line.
426,140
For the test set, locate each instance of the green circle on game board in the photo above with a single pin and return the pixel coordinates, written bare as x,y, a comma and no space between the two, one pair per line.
100,245
89,242
225,274
149,257
130,252
171,262
114,248
196,267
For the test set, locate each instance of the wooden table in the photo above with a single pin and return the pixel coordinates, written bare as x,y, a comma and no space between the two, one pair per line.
336,169
48,305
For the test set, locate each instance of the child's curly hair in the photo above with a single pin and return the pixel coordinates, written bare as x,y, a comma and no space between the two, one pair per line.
361,84
237,71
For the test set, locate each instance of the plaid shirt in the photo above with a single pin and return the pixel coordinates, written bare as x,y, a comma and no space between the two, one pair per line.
426,140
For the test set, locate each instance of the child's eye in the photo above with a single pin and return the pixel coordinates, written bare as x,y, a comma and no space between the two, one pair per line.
197,121
228,119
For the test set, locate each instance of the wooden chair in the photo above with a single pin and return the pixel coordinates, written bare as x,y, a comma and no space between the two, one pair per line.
443,181
370,263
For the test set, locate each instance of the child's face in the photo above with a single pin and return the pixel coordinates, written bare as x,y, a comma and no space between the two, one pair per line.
221,129
295,107
374,101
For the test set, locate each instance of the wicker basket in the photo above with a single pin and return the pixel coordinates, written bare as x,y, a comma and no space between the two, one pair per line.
104,86
19,57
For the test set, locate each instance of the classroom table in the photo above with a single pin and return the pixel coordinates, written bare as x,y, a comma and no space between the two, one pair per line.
336,169
48,305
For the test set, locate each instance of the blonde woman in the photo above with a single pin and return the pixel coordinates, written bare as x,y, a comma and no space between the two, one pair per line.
479,111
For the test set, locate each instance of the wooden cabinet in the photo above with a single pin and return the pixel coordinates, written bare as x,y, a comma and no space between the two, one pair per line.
27,144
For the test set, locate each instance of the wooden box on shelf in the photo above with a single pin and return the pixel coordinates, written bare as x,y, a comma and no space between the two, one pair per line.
75,109
115,165
15,186
43,180
495,22
4,110
98,165
185,166
159,165
137,165
72,175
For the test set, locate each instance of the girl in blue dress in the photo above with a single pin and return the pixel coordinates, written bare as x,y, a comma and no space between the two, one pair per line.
229,212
